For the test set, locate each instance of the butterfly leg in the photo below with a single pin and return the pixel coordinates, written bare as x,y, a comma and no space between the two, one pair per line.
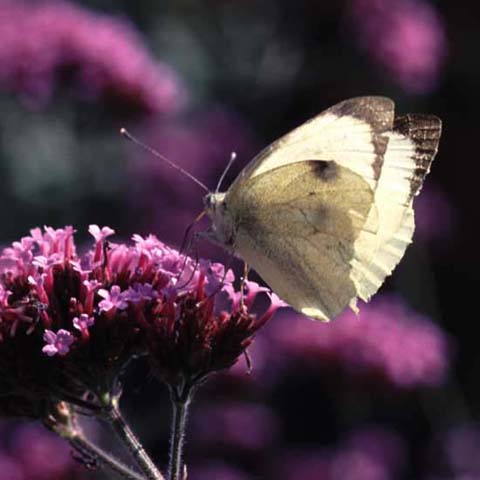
246,270
192,244
186,236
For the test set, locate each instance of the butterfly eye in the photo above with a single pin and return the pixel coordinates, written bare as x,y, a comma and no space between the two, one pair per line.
208,201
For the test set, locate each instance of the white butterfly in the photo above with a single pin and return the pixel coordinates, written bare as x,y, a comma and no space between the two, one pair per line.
325,213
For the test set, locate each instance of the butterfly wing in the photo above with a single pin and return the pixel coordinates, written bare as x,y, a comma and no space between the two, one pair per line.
351,133
325,213
297,226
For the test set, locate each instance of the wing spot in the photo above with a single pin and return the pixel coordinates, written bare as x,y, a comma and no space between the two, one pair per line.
327,171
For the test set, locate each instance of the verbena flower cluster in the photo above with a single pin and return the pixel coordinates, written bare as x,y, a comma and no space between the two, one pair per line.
69,324
52,44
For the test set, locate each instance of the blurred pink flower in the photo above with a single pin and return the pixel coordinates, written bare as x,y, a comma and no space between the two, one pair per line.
217,471
30,452
406,37
369,344
366,454
461,448
435,216
10,469
43,455
234,426
52,44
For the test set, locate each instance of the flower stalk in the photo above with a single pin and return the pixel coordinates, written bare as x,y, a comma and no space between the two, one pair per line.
115,418
88,449
62,420
180,400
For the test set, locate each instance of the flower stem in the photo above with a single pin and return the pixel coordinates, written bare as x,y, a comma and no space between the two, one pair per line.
180,404
129,439
62,420
88,449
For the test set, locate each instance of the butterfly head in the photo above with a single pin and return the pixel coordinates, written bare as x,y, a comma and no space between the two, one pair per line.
222,221
210,202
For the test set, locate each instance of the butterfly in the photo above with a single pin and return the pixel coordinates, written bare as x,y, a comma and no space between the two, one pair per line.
324,214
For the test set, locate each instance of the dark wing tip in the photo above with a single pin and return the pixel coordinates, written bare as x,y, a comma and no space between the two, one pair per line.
378,112
424,131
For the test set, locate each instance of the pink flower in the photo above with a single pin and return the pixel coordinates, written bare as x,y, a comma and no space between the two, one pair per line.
59,342
113,299
100,234
83,322
253,289
140,292
236,427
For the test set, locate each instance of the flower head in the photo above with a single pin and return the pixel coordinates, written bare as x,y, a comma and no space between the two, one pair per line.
189,337
77,321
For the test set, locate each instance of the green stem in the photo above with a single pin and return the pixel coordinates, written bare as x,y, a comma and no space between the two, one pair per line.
62,420
85,446
180,405
129,439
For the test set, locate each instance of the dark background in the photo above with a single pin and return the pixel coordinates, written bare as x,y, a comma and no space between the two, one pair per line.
242,73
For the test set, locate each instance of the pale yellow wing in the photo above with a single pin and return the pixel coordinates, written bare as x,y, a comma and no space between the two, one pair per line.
298,226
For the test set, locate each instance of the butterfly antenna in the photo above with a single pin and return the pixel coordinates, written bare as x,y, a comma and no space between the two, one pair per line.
233,156
151,150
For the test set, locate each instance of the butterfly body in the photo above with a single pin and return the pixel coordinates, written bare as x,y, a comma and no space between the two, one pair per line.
325,213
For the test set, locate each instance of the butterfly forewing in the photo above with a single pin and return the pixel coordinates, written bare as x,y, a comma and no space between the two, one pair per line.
350,133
